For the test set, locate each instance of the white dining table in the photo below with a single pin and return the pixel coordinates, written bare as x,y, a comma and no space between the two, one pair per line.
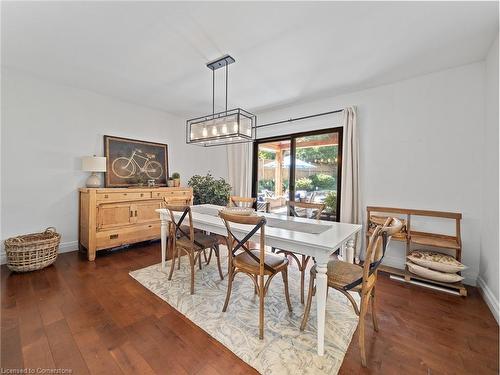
315,238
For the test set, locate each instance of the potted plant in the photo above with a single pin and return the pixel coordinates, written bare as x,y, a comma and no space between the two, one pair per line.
170,182
331,202
208,190
177,179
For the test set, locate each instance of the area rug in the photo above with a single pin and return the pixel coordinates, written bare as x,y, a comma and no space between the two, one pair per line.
285,349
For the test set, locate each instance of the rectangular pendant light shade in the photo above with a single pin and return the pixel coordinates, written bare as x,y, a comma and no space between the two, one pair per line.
232,126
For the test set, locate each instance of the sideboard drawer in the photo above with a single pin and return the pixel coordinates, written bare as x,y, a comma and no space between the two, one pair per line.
126,236
121,196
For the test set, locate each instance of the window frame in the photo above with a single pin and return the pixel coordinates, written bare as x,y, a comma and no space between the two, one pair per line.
293,139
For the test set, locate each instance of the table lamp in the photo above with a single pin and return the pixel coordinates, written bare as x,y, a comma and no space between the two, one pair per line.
94,164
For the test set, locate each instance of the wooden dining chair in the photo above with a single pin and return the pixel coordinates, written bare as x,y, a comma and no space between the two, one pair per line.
235,201
178,201
190,242
346,277
317,209
257,264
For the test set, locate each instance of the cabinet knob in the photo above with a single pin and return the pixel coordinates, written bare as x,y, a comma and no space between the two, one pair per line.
106,196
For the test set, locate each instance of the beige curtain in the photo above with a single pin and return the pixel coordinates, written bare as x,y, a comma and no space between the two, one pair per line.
350,196
239,163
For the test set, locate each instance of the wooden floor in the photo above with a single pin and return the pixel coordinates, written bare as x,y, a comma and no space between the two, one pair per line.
92,317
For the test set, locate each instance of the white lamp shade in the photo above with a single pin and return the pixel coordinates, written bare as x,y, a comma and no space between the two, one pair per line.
94,164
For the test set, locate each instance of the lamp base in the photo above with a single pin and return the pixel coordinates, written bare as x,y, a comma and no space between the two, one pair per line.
93,181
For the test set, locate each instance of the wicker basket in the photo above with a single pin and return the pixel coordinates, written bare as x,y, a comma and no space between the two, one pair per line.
32,251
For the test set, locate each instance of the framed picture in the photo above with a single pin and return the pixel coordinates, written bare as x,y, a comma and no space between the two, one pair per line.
130,162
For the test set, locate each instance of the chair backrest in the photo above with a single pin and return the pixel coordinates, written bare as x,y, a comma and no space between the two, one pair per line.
175,226
241,201
235,244
377,246
319,207
178,201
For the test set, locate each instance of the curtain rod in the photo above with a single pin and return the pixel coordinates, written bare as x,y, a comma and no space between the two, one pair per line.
299,118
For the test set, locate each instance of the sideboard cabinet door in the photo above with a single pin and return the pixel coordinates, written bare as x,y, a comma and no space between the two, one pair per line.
145,211
112,215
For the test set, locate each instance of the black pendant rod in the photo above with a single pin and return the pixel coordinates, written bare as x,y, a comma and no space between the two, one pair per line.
213,92
226,86
299,118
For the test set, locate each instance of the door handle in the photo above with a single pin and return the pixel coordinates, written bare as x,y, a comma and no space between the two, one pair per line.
131,213
135,213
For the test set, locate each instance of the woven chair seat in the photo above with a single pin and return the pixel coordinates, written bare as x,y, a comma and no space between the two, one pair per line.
245,261
206,240
341,274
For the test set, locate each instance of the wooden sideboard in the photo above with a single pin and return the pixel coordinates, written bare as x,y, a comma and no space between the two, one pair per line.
112,217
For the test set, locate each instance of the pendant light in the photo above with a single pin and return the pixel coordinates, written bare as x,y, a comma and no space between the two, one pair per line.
222,128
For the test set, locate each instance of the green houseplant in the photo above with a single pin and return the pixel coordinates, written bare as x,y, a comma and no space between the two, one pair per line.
177,178
208,190
331,201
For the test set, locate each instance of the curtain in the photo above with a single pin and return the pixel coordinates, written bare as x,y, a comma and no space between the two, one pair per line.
239,163
349,193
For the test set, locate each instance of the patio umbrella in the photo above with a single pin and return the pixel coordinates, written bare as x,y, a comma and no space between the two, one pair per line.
299,164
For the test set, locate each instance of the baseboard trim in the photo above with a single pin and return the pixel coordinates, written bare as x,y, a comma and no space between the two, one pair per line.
64,247
488,297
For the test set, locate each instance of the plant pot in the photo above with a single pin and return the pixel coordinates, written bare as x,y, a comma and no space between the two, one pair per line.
177,182
170,183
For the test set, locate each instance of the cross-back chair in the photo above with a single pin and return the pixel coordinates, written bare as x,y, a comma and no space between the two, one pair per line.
178,201
255,263
192,243
346,277
316,210
235,201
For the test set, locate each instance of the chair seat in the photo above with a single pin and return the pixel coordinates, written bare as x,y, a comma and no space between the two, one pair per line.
341,274
206,240
246,262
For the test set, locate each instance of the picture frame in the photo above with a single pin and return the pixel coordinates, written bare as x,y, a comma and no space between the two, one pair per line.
132,162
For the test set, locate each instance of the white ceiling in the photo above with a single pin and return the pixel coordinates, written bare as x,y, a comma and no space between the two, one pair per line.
154,53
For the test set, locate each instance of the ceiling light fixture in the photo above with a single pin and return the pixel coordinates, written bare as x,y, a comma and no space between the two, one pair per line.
222,128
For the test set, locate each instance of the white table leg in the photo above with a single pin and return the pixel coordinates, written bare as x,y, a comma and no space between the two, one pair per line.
321,288
163,236
350,251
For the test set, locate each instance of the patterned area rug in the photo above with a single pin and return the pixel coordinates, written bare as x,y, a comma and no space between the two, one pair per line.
284,350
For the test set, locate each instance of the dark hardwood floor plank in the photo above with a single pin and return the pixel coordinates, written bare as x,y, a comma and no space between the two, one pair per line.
130,360
97,357
64,349
93,317
11,353
34,342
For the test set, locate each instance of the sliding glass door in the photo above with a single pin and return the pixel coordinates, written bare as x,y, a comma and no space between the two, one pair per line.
302,167
273,175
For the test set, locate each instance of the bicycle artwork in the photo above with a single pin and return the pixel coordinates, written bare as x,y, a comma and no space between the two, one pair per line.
131,162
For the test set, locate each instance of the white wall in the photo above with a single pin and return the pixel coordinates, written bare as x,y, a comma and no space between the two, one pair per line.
47,128
420,147
488,267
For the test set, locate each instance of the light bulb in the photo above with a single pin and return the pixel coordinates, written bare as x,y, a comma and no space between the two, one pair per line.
204,132
235,127
224,129
214,130
249,132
